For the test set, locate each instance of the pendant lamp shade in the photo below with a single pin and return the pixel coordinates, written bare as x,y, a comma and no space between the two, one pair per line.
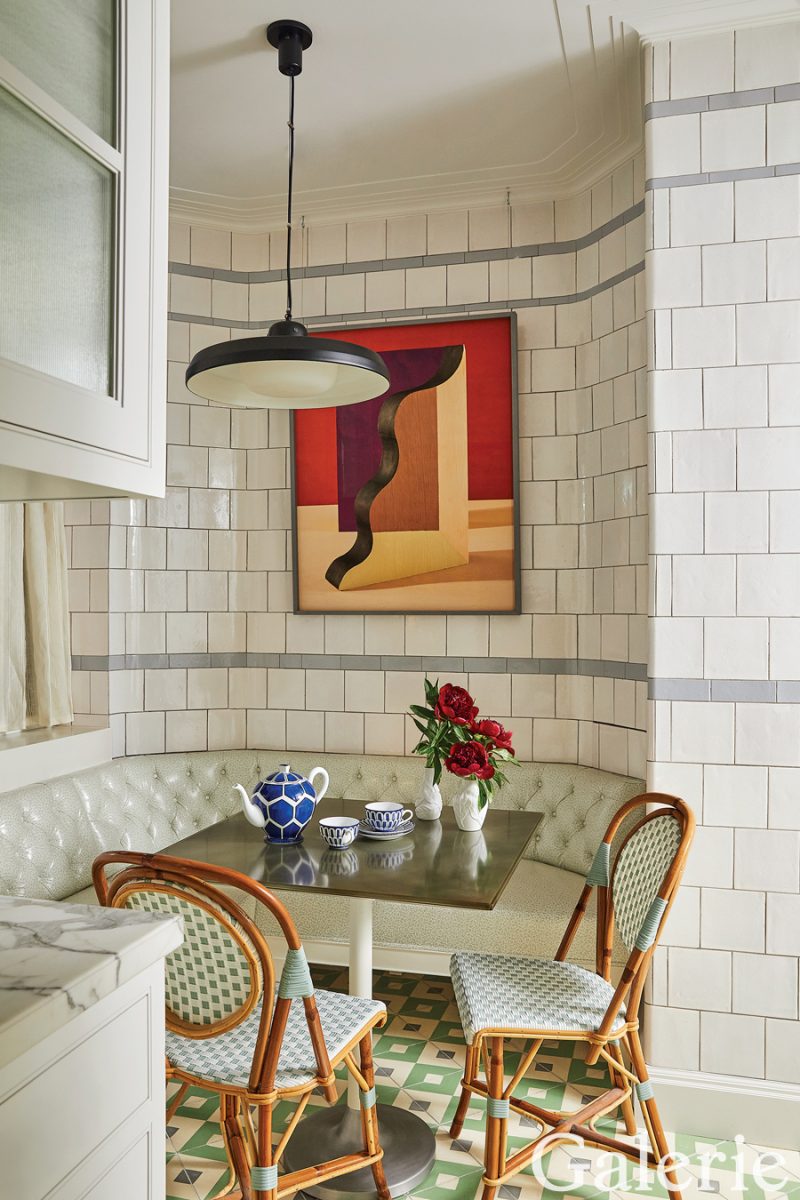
286,371
286,368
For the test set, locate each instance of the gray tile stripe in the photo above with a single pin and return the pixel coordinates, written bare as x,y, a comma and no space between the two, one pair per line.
533,250
747,98
397,314
431,664
674,181
743,691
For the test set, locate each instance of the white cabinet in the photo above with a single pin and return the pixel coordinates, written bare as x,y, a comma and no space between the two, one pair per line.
82,1112
84,132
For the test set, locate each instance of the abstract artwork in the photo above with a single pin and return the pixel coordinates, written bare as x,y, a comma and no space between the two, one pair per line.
407,503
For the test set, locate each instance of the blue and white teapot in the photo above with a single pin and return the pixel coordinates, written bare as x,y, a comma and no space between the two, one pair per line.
283,803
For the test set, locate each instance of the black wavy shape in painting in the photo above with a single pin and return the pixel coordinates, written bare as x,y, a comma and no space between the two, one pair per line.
390,458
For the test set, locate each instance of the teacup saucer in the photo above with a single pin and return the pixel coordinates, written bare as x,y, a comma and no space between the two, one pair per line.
377,835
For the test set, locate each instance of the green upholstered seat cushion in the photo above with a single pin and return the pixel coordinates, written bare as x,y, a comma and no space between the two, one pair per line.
227,1058
497,991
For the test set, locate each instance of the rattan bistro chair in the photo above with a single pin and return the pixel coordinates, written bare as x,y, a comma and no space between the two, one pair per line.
536,999
232,1031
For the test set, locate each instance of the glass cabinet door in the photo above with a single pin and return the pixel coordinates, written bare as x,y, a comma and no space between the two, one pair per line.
84,127
57,194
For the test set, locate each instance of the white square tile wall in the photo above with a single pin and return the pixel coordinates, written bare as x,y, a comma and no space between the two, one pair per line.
724,607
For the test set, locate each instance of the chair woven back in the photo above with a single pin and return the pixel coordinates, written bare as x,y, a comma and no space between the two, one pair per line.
224,970
640,870
649,851
214,979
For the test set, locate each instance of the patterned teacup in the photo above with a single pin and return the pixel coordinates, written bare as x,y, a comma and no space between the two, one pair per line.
384,816
338,832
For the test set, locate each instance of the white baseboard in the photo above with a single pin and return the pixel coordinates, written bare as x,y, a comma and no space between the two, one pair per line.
720,1106
715,1106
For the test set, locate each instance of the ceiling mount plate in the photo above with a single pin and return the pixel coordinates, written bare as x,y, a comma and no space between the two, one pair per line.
290,39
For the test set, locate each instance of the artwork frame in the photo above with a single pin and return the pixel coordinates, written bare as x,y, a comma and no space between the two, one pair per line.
512,606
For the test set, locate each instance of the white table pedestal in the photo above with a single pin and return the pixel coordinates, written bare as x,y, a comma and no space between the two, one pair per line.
408,1143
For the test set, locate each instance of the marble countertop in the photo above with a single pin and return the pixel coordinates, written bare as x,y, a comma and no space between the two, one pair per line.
57,960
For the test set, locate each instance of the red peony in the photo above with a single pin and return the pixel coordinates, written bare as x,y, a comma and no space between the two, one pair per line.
469,758
497,734
455,704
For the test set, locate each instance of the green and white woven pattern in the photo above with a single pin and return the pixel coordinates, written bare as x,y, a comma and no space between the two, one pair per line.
209,976
228,1057
641,866
496,991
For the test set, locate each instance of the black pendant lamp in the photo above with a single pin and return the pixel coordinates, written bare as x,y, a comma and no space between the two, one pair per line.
287,368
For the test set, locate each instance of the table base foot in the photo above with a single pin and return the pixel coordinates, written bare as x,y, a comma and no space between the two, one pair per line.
408,1143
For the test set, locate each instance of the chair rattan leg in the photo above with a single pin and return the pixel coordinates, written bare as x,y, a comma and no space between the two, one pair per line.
619,1080
235,1147
652,1118
466,1091
369,1120
264,1189
496,1122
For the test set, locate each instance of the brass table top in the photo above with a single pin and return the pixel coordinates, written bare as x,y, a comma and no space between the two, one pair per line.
435,864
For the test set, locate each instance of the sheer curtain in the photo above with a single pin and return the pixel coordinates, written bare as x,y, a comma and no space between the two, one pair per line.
35,667
12,618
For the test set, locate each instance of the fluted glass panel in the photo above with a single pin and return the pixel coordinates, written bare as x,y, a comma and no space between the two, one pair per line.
57,234
68,48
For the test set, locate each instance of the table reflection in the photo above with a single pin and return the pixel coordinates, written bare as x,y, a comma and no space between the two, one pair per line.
436,863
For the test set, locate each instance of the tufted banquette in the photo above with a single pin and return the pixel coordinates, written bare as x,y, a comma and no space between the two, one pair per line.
51,832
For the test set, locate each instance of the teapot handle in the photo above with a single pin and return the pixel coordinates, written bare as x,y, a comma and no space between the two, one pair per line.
324,773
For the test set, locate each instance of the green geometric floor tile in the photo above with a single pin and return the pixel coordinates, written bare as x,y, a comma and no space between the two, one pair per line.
448,1031
391,984
427,1007
450,1181
425,1077
393,1047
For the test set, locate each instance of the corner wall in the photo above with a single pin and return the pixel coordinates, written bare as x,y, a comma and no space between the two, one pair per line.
723,283
197,646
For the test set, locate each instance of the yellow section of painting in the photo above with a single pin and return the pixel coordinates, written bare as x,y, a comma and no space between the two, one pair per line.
484,582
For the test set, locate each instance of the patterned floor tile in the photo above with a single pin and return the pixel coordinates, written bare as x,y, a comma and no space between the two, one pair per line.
419,1059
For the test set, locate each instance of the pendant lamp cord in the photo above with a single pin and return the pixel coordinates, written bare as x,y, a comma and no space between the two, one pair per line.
289,211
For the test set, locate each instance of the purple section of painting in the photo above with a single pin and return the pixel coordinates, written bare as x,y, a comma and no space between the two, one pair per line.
358,443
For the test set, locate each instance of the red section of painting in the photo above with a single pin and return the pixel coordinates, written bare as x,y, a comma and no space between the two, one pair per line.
316,480
488,344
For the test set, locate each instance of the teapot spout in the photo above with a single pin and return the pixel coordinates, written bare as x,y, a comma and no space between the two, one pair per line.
251,811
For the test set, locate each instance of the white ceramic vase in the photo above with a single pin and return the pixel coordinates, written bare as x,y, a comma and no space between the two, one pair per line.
429,805
469,816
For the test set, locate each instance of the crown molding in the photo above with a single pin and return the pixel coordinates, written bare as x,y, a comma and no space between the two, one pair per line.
265,214
660,20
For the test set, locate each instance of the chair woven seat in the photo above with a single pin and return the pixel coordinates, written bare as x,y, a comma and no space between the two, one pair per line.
228,1057
496,991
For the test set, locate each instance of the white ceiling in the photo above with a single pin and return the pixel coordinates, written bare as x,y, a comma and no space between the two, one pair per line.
409,103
